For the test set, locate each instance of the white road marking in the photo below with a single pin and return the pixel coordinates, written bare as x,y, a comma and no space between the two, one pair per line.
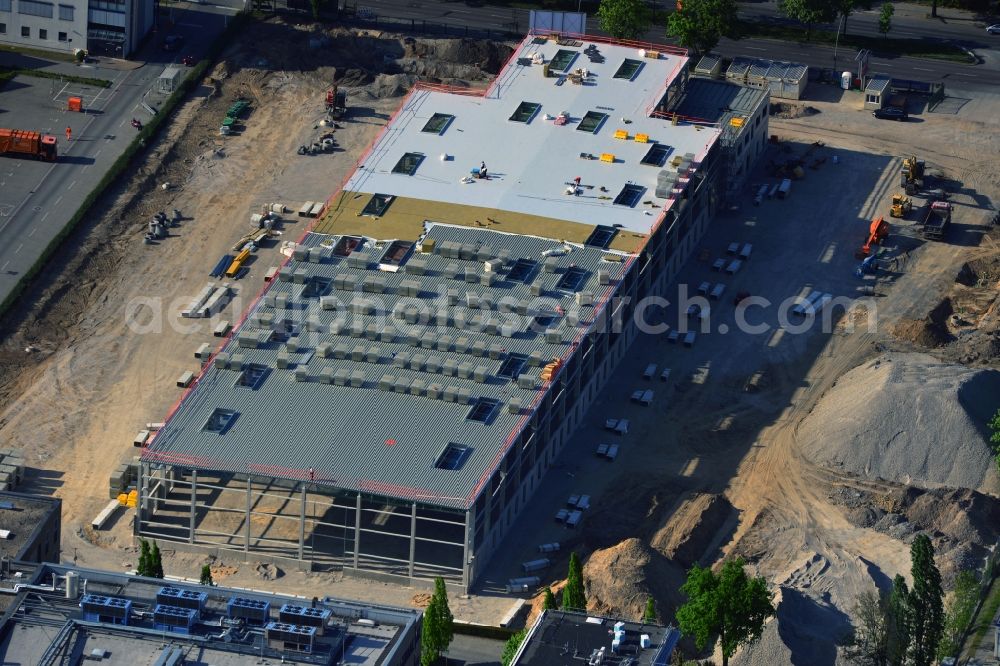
970,76
56,202
71,186
921,69
18,248
97,153
5,264
32,232
753,48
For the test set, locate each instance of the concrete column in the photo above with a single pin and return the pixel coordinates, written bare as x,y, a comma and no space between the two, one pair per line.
302,523
357,530
246,546
467,562
194,498
413,536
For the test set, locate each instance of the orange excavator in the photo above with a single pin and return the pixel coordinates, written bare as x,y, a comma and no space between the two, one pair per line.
877,233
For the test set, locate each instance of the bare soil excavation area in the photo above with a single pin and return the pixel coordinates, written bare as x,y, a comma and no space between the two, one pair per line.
816,456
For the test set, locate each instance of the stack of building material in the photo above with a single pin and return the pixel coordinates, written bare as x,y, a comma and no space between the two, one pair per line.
11,468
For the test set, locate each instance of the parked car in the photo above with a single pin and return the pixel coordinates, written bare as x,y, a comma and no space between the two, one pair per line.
890,113
172,42
994,29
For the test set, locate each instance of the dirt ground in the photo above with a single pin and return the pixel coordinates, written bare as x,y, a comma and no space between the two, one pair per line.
94,352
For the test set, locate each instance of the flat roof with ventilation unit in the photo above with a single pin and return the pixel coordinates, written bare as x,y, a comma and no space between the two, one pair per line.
408,163
437,123
628,69
630,195
524,112
592,121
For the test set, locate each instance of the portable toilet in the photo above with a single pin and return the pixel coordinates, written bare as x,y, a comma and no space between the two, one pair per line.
845,80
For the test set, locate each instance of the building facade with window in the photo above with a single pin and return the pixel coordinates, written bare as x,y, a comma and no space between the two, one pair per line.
394,398
103,27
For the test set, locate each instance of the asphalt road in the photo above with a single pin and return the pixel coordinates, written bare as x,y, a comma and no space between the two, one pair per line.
461,16
38,199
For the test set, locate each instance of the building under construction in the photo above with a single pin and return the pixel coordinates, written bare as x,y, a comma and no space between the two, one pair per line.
393,399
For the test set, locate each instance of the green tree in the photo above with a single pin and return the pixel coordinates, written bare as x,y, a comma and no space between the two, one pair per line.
206,575
926,608
898,623
809,12
731,606
702,23
155,562
846,7
446,621
961,607
623,19
511,646
315,6
549,600
430,634
868,643
143,568
573,595
885,18
649,615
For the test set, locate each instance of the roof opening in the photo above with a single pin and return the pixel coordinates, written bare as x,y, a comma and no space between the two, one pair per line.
562,60
438,123
592,122
453,456
377,205
525,112
252,376
628,69
512,366
656,155
408,163
483,410
219,420
521,269
601,236
629,196
571,279
316,287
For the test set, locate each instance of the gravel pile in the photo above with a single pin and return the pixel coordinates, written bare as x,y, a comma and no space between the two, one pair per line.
911,419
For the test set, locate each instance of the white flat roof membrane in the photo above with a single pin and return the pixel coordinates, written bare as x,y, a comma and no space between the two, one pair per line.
530,165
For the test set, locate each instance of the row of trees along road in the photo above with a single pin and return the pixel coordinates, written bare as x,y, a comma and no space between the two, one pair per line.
700,24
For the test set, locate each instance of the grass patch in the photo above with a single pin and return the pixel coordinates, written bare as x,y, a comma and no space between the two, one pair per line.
38,53
984,619
915,48
6,77
42,74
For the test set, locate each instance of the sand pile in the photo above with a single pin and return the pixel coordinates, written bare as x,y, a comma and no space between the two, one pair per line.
621,578
688,533
908,418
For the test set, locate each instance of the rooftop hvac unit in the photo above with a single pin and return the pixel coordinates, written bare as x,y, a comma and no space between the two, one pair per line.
451,296
471,299
449,368
285,274
264,319
450,393
253,611
526,381
468,252
413,339
496,351
603,276
173,618
401,359
299,253
99,608
373,284
428,340
281,301
340,350
344,282
553,336
464,396
281,360
418,387
313,324
326,376
401,385
507,330
221,360
358,354
536,289
471,277
446,249
328,302
337,326
514,406
357,329
461,344
478,348
292,344
304,616
386,383
481,374
340,377
492,326
584,298
434,391
465,370
387,335
452,271
535,358
300,276
292,637
357,379
409,288
417,362
373,355
503,256
487,279
433,365
301,374
315,255
484,253
269,300
371,332
444,343
550,265
236,362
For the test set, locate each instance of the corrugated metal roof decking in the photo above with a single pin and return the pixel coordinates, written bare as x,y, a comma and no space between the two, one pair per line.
366,438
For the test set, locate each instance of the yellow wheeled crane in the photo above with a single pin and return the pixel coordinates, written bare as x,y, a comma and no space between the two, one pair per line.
901,205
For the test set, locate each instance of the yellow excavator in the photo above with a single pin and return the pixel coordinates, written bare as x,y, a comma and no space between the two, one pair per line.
911,175
901,205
